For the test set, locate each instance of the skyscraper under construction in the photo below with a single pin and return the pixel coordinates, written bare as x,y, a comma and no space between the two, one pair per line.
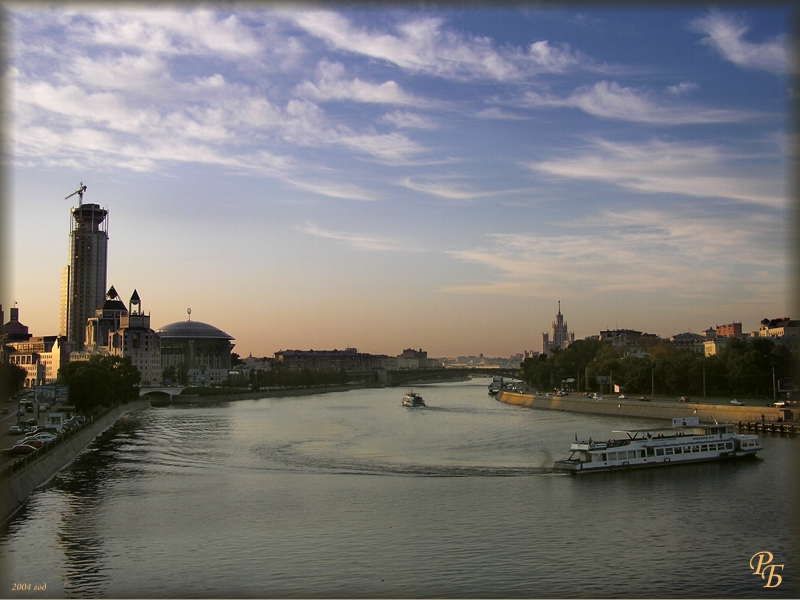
83,281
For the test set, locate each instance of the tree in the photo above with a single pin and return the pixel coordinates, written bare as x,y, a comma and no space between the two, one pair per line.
101,381
12,378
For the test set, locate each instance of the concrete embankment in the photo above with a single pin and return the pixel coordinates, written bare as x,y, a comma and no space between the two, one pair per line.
189,399
647,410
17,486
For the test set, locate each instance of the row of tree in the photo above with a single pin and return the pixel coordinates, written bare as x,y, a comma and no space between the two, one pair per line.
742,368
101,381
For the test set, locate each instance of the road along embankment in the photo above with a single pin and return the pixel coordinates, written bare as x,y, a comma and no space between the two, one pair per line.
18,485
648,410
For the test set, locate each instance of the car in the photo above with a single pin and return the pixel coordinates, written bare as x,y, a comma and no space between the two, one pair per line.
21,412
23,449
736,402
15,430
30,442
596,397
643,399
28,409
80,418
779,404
30,422
623,397
4,410
45,437
683,399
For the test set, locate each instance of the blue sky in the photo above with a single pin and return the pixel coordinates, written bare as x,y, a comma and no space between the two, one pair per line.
393,178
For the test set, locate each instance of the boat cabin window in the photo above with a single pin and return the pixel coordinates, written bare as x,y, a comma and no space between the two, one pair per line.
668,451
651,452
704,448
695,448
612,456
659,452
729,445
603,456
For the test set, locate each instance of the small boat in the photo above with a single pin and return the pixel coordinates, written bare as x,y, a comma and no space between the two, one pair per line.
687,442
413,399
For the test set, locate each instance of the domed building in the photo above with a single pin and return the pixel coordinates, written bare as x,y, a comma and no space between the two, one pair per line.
202,349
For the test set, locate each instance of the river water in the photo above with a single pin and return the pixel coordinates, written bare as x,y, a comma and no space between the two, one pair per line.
351,495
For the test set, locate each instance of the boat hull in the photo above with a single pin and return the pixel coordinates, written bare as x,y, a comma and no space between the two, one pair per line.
581,468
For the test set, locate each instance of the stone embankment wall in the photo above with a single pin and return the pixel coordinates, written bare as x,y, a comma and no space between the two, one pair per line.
181,399
648,410
16,488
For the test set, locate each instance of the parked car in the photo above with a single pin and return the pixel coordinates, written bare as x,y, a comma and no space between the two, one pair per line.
779,404
736,402
623,397
15,430
45,437
23,449
30,422
684,399
80,418
30,442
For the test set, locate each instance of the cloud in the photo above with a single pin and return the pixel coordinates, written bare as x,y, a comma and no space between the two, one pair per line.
197,32
425,46
407,120
336,190
609,100
331,85
725,34
358,241
683,88
449,191
669,253
673,168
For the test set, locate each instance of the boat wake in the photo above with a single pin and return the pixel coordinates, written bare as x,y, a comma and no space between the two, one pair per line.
284,458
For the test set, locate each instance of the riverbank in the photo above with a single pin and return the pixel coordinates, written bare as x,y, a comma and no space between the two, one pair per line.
216,398
19,484
649,410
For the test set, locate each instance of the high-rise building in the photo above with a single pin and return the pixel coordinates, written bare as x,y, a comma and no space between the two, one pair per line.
83,282
562,338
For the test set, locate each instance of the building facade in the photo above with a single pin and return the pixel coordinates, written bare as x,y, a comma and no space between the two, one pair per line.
729,330
202,349
133,338
84,279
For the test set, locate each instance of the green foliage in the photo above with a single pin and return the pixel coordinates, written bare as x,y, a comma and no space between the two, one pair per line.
743,367
12,378
100,382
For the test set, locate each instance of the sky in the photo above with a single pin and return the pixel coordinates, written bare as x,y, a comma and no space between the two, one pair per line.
391,178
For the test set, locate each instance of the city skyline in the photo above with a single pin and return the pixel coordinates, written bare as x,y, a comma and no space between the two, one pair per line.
389,179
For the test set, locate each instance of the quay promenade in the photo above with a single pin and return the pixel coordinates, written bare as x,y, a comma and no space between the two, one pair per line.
663,410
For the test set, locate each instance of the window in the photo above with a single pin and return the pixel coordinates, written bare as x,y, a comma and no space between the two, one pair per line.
659,452
704,448
668,451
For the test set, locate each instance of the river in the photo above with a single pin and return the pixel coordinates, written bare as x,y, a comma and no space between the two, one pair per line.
351,495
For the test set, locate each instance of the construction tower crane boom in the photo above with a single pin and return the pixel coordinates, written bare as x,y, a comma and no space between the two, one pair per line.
80,192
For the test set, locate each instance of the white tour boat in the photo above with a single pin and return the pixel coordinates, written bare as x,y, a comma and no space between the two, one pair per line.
688,441
413,399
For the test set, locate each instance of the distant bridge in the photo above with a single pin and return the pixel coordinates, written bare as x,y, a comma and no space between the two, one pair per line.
159,394
401,377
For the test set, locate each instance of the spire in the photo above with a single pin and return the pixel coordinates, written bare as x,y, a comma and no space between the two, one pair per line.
111,294
135,302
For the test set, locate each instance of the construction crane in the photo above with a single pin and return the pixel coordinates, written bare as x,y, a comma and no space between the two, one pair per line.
80,192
